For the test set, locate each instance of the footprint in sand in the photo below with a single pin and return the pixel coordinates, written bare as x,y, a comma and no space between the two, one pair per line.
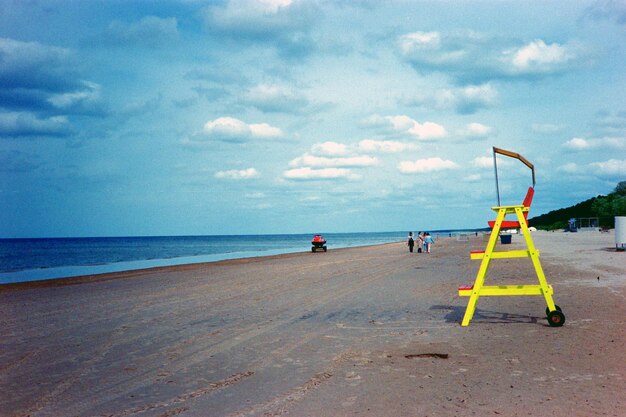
351,376
349,402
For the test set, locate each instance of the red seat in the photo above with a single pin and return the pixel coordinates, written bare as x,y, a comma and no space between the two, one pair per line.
511,224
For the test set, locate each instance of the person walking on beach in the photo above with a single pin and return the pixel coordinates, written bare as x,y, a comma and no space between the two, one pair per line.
428,242
410,242
420,242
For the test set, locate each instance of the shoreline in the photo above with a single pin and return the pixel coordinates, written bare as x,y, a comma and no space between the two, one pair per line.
91,256
129,273
89,273
165,265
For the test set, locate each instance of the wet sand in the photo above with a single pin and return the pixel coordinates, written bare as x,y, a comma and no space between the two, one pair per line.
371,331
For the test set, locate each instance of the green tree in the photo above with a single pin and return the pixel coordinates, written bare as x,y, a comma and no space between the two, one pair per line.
613,204
619,206
602,206
620,189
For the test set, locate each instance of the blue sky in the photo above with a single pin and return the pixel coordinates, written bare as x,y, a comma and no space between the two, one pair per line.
287,116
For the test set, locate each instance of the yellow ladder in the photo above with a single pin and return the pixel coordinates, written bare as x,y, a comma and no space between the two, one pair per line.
555,316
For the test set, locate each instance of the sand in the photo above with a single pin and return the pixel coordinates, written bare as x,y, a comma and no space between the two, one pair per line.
371,331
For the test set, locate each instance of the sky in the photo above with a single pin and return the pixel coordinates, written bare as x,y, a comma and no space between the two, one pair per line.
133,118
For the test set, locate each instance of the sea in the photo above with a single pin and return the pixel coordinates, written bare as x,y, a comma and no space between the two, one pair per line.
23,260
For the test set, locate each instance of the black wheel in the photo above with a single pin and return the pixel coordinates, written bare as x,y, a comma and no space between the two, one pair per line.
548,309
556,318
313,249
325,249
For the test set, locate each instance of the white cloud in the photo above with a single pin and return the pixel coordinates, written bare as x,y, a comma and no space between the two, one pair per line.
407,126
234,174
29,124
430,49
263,130
610,167
474,57
307,173
276,98
485,93
227,126
577,144
411,42
283,25
272,6
582,144
86,99
477,130
34,65
41,88
320,161
483,161
463,100
537,56
251,9
427,130
570,168
230,129
330,149
328,160
613,143
421,166
385,146
433,51
487,161
401,122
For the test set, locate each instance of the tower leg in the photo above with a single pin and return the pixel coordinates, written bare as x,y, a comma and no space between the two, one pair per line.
484,267
534,256
469,311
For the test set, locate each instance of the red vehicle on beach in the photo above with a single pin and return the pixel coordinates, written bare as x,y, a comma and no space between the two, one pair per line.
318,243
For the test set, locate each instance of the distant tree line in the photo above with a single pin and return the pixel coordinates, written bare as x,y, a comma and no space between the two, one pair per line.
605,208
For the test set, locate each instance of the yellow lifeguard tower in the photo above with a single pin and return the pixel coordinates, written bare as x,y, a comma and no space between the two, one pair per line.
474,292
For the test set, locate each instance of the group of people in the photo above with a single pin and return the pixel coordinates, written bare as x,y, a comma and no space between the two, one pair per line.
424,242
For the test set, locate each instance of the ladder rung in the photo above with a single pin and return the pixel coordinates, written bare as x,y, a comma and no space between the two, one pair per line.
503,254
511,209
492,290
466,290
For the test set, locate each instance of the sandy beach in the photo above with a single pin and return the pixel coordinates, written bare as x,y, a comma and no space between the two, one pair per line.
372,331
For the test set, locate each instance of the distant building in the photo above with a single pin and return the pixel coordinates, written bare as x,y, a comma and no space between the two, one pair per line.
585,224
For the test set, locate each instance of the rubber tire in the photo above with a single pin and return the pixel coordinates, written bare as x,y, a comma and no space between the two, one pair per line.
325,249
548,309
556,318
313,249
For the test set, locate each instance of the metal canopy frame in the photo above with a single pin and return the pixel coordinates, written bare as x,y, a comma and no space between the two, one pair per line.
512,155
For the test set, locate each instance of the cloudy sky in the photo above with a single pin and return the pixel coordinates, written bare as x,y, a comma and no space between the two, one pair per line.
287,116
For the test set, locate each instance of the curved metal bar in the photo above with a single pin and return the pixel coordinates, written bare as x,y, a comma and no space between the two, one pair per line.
512,155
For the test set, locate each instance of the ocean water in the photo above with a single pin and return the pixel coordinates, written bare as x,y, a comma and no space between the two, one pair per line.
24,260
